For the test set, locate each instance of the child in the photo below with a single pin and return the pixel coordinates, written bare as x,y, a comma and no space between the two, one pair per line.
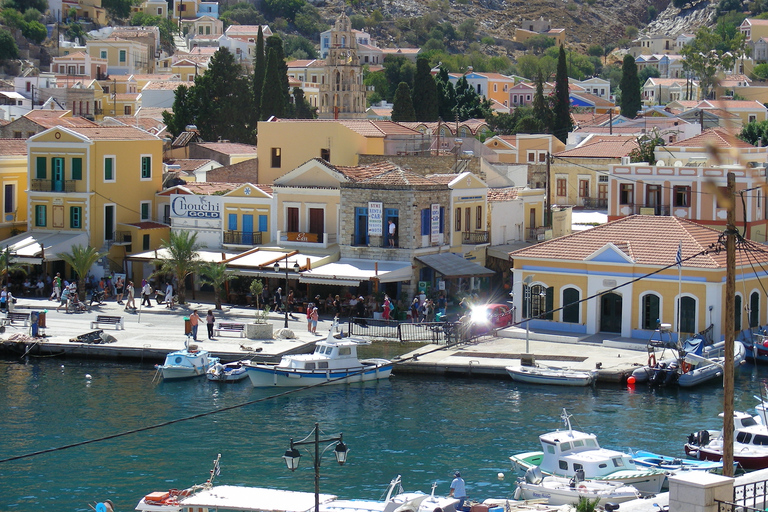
315,316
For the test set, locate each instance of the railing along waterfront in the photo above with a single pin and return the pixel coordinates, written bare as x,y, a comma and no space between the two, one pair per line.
747,497
431,332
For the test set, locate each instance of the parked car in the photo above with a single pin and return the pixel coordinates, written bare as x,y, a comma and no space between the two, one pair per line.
490,316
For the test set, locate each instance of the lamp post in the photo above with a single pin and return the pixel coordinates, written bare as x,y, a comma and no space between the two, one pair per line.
292,455
527,297
296,268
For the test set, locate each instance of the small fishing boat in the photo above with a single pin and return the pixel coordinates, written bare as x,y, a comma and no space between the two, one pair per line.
183,364
229,372
564,452
750,442
553,375
334,361
396,500
566,491
673,465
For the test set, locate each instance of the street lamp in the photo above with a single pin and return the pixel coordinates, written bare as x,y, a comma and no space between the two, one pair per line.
292,455
527,297
296,268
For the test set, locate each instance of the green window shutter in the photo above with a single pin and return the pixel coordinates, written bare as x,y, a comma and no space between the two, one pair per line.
40,215
41,170
145,211
146,167
75,214
108,171
145,243
77,168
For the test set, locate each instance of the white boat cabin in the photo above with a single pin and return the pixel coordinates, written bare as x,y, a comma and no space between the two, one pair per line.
329,354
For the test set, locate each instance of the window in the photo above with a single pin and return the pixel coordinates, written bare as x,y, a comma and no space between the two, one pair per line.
146,167
145,242
40,168
127,110
583,188
144,209
293,219
276,158
467,219
532,156
602,178
542,157
752,118
627,193
40,215
123,58
263,223
561,187
688,314
232,222
109,169
103,54
457,220
9,198
650,317
479,217
75,217
571,305
425,221
682,196
754,309
77,168
325,154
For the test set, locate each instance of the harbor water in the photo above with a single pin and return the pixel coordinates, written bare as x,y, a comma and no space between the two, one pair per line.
421,428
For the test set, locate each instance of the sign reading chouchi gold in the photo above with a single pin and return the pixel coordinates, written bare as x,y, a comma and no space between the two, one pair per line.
195,207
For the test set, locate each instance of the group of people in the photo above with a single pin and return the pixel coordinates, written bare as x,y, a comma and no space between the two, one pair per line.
194,323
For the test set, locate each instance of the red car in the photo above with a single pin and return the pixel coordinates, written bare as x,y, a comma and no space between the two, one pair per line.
490,316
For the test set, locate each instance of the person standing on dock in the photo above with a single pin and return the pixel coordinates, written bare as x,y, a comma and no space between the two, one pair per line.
194,321
458,490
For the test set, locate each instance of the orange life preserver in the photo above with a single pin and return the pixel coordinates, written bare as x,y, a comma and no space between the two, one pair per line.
652,359
582,487
685,366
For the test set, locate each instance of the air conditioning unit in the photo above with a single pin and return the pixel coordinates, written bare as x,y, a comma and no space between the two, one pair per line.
625,160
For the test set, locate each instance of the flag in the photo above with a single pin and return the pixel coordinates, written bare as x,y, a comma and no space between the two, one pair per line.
679,255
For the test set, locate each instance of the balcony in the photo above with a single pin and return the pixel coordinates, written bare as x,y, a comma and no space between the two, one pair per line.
38,185
474,237
242,237
123,238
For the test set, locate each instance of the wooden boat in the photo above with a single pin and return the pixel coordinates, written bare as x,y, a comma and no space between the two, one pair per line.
674,465
565,491
564,452
229,372
334,361
750,442
552,375
187,363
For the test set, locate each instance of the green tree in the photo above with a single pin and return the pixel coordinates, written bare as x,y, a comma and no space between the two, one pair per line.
81,259
646,150
541,111
35,32
446,95
275,43
469,104
303,109
23,5
647,72
402,108
397,69
467,30
425,90
297,47
539,43
242,14
755,131
216,274
181,259
256,287
272,103
259,70
118,8
8,48
710,52
562,122
282,8
760,72
183,111
376,80
631,102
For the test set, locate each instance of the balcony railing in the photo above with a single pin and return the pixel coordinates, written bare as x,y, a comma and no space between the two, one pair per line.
38,185
123,237
474,237
242,237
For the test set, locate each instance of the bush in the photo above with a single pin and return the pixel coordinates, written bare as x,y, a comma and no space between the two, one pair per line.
8,48
357,21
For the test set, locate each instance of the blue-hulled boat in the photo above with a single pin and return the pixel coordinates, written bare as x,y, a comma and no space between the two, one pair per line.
187,363
673,464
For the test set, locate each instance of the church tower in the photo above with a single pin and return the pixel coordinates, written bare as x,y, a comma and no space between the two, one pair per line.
342,93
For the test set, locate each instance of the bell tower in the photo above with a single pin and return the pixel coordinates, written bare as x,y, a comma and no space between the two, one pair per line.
342,93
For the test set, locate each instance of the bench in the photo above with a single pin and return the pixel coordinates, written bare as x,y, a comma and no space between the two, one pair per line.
229,327
117,321
18,317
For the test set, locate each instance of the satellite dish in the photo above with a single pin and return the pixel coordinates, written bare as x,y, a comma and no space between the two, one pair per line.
659,163
678,163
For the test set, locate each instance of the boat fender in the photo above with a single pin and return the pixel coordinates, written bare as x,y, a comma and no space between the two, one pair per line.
583,488
652,359
518,492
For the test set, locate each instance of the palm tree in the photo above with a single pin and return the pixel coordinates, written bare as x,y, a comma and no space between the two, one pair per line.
81,259
216,274
8,266
182,259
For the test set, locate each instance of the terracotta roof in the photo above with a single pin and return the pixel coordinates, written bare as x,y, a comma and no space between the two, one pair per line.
113,133
445,179
164,85
242,172
502,194
757,21
302,63
728,104
608,147
229,148
647,239
10,147
362,172
188,164
245,29
365,127
399,177
53,118
206,188
71,56
589,118
393,51
713,137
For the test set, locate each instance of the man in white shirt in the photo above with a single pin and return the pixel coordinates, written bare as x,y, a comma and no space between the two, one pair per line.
392,229
458,490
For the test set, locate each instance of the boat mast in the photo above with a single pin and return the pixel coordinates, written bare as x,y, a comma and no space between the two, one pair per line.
567,420
730,320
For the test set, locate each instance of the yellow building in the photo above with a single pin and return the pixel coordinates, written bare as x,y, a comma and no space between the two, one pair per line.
587,282
13,179
96,186
124,57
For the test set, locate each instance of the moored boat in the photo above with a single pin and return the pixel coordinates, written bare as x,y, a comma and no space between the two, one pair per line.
187,363
552,375
396,500
750,442
229,372
334,361
565,491
673,465
564,452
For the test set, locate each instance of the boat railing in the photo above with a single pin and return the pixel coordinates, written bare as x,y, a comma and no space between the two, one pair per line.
748,497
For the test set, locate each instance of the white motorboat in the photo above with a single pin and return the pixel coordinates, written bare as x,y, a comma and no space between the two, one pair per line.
334,361
183,364
567,451
750,442
552,375
229,372
565,491
396,500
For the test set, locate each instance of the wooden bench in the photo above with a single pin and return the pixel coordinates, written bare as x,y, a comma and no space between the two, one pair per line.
229,327
18,317
117,321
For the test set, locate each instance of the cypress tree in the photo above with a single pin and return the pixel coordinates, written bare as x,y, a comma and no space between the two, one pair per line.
446,96
302,110
562,109
541,111
259,70
402,108
424,92
631,101
276,44
272,100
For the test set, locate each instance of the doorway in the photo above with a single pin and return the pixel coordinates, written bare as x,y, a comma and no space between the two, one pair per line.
610,313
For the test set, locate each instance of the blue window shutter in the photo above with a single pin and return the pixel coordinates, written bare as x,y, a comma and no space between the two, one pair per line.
425,221
233,222
263,223
442,218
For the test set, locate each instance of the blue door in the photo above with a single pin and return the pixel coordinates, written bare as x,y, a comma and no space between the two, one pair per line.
57,174
247,229
361,226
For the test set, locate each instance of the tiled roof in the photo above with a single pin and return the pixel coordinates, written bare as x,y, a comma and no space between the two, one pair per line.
205,188
713,137
399,177
229,148
728,104
164,85
184,138
53,118
647,239
608,147
502,194
589,118
10,147
756,21
113,133
301,63
246,171
245,29
445,179
365,127
188,164
393,51
362,172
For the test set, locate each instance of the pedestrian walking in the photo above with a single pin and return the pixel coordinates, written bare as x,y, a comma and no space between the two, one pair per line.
209,321
310,306
278,299
119,289
169,295
56,292
146,293
194,321
130,303
290,301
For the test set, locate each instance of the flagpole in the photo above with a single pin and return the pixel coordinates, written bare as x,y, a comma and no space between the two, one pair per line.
679,259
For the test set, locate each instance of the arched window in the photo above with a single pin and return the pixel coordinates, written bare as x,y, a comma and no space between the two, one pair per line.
688,314
650,317
541,302
754,309
737,313
571,305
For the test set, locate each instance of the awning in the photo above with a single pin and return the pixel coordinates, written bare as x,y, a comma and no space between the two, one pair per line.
352,271
36,247
452,265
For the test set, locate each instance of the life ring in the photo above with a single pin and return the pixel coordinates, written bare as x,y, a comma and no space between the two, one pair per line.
685,366
652,359
583,487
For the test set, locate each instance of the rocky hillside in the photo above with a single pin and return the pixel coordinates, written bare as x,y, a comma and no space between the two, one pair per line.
675,21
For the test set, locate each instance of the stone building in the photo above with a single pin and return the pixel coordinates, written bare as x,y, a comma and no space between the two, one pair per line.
342,93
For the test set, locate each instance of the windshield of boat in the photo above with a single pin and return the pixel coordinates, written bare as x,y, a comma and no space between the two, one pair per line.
618,462
748,422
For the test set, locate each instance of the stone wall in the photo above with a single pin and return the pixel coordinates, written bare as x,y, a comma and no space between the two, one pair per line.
424,164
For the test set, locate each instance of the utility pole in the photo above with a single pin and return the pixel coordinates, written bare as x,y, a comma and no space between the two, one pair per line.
730,316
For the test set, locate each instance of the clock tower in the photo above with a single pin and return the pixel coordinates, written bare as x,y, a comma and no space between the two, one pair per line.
342,93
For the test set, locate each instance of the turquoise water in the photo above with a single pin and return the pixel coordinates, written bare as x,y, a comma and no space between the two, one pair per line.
422,428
